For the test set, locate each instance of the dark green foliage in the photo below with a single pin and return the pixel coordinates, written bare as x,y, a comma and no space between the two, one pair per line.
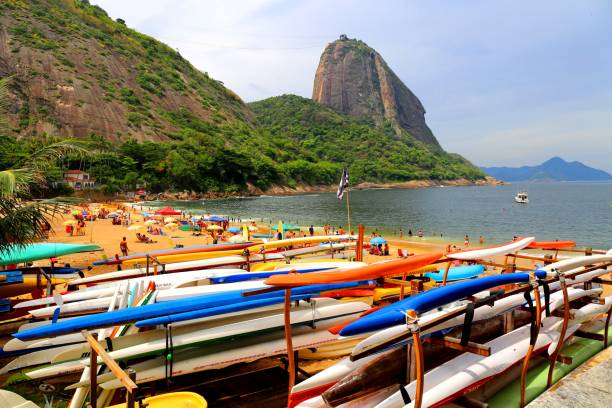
302,129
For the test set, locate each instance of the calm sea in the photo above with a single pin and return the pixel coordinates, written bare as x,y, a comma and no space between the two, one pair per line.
573,211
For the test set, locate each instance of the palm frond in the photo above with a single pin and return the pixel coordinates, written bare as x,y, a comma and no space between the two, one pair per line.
43,157
24,223
16,182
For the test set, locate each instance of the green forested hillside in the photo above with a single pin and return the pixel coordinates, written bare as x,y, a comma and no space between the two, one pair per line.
301,128
157,121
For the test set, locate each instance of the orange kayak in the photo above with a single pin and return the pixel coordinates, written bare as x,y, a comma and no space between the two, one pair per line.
551,244
374,271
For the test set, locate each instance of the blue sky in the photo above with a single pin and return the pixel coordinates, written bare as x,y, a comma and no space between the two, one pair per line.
503,82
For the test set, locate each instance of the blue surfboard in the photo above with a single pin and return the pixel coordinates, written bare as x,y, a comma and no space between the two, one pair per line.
116,317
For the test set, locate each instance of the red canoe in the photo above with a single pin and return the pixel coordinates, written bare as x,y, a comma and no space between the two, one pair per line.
374,271
551,244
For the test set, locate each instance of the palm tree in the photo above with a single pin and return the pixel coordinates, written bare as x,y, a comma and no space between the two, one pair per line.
24,219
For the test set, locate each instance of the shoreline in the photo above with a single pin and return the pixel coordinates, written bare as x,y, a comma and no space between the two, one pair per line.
279,191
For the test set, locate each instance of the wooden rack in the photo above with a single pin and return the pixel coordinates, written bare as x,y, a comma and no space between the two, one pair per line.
128,380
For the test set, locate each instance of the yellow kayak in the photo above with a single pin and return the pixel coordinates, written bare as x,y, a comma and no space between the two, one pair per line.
29,283
269,266
172,400
253,249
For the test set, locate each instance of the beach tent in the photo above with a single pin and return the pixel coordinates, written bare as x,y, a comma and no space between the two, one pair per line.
378,241
167,211
288,227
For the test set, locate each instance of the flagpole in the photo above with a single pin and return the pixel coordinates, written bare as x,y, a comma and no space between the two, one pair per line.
348,211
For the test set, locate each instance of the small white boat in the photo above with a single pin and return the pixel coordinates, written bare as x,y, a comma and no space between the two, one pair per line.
521,197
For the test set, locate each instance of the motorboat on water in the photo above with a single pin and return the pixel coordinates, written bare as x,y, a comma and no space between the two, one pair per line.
521,197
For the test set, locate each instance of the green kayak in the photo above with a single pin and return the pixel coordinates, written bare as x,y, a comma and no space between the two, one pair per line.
580,351
43,250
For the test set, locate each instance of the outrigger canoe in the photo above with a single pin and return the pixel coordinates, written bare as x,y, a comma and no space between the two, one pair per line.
175,251
481,253
396,313
551,244
252,249
163,309
43,250
456,273
373,271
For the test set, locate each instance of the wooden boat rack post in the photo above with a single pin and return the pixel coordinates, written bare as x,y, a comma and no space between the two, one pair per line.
153,260
566,316
126,380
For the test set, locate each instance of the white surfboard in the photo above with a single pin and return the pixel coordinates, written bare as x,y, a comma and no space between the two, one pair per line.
475,254
462,372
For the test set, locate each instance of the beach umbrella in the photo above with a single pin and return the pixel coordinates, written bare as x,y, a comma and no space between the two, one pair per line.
113,215
196,218
214,227
253,228
146,215
134,227
169,219
378,241
215,218
70,222
236,238
75,212
168,211
171,225
233,229
150,222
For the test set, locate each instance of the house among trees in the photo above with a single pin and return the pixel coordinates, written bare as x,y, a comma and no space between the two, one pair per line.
79,180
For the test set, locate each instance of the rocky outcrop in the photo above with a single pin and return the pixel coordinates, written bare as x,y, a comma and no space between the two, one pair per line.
76,72
354,79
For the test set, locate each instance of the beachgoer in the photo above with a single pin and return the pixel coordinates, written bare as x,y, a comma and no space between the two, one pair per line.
481,240
279,235
124,247
118,262
410,233
401,233
466,240
311,230
386,249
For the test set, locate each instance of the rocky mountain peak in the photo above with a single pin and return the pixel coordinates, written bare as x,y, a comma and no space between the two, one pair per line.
354,79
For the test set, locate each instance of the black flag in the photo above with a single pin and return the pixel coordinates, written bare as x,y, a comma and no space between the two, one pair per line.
344,182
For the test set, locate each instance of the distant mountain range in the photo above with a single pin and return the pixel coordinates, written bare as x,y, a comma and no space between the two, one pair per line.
555,169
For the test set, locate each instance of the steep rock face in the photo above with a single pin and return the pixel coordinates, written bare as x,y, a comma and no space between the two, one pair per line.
354,79
76,72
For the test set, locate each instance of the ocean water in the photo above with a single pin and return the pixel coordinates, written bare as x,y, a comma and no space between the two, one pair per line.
564,211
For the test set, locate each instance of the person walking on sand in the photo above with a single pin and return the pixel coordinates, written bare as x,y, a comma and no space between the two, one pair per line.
401,233
311,230
124,247
481,240
466,240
